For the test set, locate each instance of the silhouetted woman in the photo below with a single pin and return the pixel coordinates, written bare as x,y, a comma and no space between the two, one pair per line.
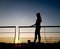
38,27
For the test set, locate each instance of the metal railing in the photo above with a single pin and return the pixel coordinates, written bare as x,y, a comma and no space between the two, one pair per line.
44,27
19,27
10,27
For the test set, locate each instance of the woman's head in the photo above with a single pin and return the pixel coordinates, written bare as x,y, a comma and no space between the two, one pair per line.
38,15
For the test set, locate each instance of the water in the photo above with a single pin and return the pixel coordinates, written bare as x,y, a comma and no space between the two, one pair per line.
25,39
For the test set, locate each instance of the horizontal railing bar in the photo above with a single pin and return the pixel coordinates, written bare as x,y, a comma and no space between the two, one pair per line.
44,37
29,32
40,32
34,26
24,26
7,26
7,32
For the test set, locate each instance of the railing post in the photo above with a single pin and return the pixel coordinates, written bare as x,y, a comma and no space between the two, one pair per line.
18,33
45,34
15,35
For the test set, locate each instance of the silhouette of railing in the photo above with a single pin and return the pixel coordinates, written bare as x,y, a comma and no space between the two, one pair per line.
19,27
41,32
9,32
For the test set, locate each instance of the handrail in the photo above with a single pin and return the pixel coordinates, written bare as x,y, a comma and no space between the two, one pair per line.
25,27
10,32
41,26
7,26
34,26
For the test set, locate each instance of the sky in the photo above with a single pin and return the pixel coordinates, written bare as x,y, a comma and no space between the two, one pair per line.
23,12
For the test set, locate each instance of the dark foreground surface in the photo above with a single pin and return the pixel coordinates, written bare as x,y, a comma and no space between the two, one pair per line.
30,46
